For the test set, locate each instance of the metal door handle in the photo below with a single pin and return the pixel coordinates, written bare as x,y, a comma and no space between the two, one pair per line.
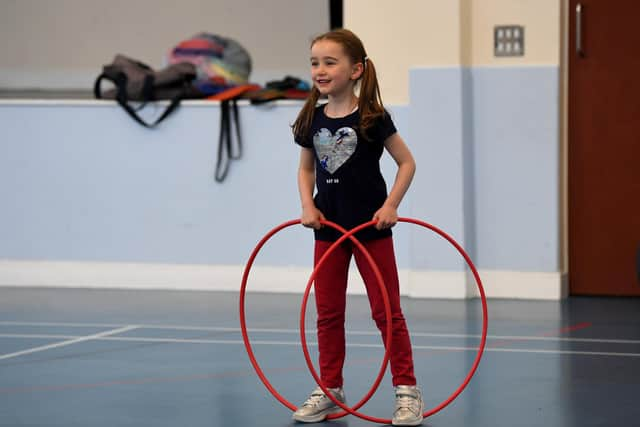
579,50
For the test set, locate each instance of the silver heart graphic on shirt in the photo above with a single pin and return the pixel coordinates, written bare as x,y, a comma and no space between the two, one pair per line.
334,150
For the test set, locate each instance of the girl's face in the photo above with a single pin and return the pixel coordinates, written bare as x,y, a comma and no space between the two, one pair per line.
332,71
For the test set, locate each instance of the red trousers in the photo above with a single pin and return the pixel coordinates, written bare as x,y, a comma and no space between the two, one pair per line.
330,294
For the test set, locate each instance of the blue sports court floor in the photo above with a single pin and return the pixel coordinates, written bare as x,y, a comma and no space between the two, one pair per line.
71,357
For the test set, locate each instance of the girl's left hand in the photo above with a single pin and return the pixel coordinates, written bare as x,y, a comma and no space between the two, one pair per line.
387,217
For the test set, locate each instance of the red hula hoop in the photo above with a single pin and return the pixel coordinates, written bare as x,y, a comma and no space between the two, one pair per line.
245,335
349,235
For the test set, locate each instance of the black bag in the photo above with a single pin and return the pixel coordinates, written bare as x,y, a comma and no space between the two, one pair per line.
136,81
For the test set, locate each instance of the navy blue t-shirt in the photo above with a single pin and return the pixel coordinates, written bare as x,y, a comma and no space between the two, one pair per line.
350,186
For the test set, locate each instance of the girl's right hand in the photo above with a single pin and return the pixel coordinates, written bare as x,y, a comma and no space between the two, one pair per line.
311,217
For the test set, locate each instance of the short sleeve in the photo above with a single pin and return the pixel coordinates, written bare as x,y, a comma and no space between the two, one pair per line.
303,142
384,127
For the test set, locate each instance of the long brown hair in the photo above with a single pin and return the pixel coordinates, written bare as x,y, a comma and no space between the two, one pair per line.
370,102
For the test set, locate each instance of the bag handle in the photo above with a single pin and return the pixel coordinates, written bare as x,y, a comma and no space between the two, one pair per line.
120,81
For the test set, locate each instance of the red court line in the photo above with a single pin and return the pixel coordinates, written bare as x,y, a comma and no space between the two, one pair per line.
568,329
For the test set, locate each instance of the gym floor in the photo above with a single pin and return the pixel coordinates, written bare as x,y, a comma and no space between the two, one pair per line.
82,357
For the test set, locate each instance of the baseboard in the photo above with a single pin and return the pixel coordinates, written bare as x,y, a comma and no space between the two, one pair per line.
416,284
70,274
524,284
437,284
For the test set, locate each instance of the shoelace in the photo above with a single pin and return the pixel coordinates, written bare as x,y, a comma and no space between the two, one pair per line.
406,401
315,399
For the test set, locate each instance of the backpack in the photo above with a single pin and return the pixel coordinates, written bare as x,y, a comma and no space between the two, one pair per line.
221,63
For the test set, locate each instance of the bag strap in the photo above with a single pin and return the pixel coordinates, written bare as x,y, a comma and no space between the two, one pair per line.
120,81
225,140
173,104
236,119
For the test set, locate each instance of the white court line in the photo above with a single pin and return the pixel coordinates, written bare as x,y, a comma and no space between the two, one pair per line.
71,325
68,342
297,331
314,344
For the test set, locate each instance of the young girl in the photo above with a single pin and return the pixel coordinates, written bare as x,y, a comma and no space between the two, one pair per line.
342,142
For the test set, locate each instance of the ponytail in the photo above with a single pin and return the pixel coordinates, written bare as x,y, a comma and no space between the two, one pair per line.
370,102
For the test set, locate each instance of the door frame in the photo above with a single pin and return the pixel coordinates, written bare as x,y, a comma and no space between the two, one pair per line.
563,137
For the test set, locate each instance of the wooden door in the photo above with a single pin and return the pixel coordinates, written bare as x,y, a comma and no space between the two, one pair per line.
604,147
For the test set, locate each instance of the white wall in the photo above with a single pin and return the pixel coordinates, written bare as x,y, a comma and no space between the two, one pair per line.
403,34
541,21
64,43
409,34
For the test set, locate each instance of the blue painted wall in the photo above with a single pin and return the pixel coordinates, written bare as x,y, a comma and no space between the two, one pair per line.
87,183
515,142
437,142
487,143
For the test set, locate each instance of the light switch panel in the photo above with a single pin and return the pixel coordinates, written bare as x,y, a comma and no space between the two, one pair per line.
508,40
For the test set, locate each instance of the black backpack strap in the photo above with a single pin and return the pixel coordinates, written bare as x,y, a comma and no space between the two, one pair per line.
225,140
224,143
236,119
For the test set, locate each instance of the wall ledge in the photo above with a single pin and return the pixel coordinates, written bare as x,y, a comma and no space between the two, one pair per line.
34,102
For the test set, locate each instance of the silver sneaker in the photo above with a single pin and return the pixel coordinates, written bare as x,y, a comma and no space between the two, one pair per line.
409,406
318,406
